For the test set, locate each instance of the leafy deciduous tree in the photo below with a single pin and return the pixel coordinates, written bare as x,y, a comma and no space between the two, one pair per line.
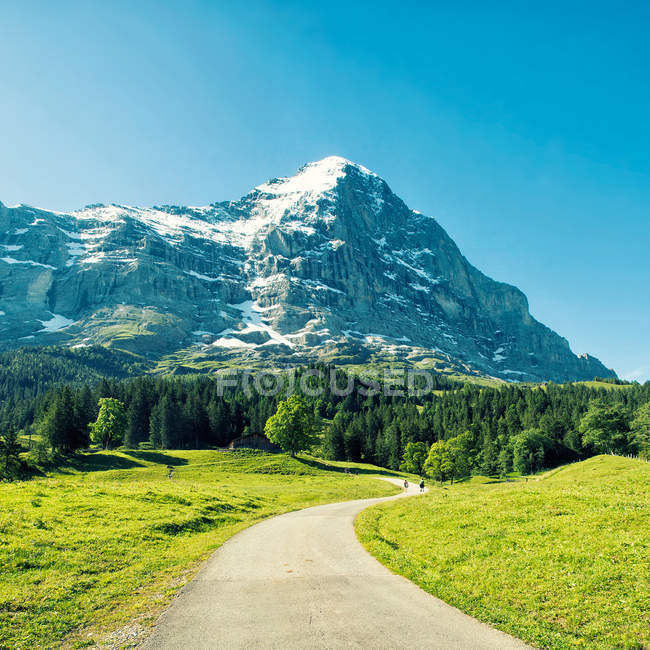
528,450
439,463
605,428
293,426
415,455
459,450
111,423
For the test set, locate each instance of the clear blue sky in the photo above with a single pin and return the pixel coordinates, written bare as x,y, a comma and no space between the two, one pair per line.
524,130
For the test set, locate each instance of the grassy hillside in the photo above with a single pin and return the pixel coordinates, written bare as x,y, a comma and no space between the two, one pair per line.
110,538
605,385
560,562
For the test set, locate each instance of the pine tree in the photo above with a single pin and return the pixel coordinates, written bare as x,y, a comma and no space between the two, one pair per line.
169,424
85,412
10,464
58,427
352,441
505,460
196,422
218,414
640,428
138,416
334,440
155,426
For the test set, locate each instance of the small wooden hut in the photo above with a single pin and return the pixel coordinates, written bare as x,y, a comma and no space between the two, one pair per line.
254,441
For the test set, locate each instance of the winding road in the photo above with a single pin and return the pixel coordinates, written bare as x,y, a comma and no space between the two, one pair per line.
303,580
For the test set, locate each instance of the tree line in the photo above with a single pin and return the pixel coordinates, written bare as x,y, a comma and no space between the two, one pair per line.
494,431
471,429
30,371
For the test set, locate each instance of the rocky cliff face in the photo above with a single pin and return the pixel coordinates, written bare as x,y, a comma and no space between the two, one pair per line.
328,264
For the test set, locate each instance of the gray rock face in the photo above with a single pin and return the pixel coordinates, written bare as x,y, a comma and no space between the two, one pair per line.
328,264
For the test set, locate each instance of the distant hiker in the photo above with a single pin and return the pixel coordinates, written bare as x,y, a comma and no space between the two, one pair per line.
170,475
406,484
421,486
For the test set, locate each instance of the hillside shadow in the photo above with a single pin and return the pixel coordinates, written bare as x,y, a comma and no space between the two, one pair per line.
156,457
95,463
361,471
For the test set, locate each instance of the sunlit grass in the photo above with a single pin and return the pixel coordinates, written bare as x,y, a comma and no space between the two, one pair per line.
560,562
111,538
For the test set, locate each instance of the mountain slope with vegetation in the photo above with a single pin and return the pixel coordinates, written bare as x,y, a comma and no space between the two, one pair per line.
31,371
560,562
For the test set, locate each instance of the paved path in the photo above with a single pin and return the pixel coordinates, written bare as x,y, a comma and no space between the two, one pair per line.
302,580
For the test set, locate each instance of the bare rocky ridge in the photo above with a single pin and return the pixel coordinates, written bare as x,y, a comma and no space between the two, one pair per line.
328,264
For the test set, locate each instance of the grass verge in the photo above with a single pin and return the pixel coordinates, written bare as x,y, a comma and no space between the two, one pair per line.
561,562
109,538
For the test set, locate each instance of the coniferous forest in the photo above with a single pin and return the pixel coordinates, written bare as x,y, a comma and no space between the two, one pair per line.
497,429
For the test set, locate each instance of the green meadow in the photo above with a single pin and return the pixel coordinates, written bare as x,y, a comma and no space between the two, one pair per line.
560,561
107,540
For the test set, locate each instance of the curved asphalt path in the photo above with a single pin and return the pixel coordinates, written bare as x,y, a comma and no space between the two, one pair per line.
302,580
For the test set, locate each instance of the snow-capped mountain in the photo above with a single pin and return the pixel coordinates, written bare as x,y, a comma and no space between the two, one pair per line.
328,264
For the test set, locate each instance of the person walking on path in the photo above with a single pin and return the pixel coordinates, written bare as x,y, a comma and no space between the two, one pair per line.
421,486
406,484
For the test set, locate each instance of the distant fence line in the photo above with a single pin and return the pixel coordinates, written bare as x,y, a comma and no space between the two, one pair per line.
632,456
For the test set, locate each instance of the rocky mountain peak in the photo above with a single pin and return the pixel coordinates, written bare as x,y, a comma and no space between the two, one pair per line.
313,193
326,264
315,177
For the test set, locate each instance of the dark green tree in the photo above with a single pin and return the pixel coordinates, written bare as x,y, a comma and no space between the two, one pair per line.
165,425
85,412
59,426
138,416
155,426
505,460
10,464
334,438
640,428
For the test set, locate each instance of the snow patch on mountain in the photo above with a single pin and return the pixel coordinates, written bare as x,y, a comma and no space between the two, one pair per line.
251,315
11,260
498,356
55,324
200,276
